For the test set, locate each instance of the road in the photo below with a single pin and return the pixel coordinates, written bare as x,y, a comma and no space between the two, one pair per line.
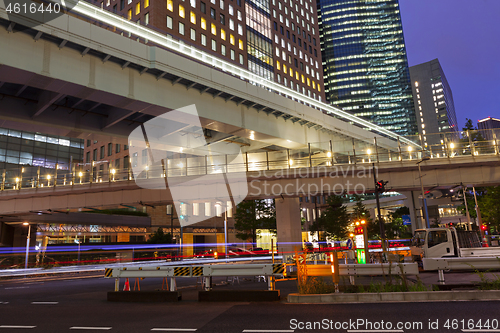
70,305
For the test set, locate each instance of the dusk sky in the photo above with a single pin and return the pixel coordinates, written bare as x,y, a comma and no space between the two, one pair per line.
465,36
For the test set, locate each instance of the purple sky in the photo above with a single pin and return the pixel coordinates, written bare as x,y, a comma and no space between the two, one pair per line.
465,36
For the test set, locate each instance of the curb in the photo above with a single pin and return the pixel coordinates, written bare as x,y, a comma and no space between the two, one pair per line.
416,296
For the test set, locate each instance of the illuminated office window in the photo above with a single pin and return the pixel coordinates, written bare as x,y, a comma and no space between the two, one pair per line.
170,5
203,23
129,14
138,8
146,3
182,13
231,39
240,44
213,29
223,34
278,65
193,17
208,209
196,209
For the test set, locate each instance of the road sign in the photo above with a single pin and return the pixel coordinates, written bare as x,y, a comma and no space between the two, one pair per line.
349,244
406,220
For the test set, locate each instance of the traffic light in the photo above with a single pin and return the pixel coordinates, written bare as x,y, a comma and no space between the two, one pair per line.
483,227
380,187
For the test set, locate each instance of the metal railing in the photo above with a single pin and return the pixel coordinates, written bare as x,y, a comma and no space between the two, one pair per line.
451,145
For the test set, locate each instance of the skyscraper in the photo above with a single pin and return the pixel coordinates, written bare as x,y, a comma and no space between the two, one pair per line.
276,39
364,61
433,100
489,127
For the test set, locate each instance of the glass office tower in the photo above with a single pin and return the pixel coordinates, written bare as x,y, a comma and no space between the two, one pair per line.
364,61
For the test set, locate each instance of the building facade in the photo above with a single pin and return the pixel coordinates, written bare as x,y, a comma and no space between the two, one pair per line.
364,62
276,39
489,127
433,99
27,157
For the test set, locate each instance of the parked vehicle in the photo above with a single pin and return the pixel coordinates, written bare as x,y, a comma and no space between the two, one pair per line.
449,242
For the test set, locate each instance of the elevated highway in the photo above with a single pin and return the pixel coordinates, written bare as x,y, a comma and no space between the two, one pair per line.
72,77
112,190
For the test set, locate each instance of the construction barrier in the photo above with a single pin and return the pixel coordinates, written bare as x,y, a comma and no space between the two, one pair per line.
206,271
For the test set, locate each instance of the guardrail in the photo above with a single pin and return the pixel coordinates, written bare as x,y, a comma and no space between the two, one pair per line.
464,263
364,269
205,271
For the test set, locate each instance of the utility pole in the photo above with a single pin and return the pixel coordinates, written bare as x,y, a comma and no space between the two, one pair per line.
380,222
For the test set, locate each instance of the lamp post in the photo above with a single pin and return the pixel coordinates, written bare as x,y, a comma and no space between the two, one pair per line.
424,202
27,244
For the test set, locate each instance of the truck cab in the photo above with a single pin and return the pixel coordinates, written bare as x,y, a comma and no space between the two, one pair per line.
434,243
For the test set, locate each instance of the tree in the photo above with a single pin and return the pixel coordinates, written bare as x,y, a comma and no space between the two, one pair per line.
252,215
334,221
361,213
159,237
395,226
490,206
475,136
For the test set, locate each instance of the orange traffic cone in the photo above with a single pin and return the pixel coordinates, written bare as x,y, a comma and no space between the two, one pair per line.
126,287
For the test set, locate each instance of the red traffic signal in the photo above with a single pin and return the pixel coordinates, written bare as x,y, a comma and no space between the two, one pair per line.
484,227
380,186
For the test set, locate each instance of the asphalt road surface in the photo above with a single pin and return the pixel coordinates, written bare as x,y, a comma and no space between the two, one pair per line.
79,305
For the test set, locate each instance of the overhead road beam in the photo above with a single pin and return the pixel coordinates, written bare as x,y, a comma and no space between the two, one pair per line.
97,14
141,56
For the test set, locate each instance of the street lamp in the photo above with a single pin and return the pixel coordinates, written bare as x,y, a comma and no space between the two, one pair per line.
80,174
77,241
48,180
27,244
218,204
424,202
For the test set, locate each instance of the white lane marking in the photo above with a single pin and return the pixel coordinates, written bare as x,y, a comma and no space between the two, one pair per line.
4,302
17,288
174,329
15,326
269,331
374,331
44,303
472,330
90,328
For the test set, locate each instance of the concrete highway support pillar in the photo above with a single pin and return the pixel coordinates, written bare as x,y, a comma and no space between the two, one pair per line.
413,203
289,228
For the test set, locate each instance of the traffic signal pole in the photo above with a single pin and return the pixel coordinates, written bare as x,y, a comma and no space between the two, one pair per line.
380,222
